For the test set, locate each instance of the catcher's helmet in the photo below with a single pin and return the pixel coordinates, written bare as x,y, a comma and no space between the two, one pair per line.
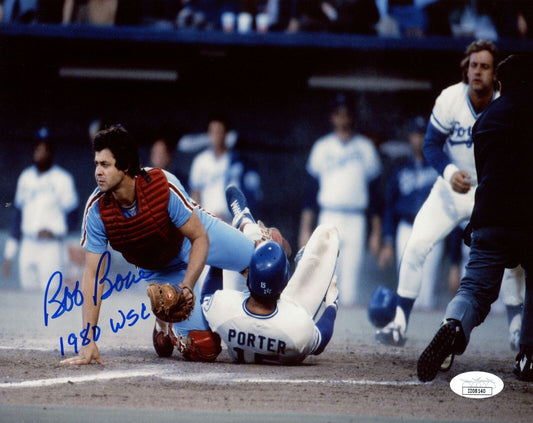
269,270
382,306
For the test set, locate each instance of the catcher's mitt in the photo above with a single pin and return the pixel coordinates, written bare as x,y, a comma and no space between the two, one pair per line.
200,345
170,304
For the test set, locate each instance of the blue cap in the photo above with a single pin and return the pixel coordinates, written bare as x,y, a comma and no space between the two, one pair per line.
418,124
43,133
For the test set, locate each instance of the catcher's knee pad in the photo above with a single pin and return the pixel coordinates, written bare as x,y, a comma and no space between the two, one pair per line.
382,306
200,345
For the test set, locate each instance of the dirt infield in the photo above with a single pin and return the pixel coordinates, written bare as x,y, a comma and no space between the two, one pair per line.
353,377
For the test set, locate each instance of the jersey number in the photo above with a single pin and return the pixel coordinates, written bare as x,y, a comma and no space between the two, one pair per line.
258,358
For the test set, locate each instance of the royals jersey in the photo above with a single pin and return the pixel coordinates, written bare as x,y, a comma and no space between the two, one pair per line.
45,199
285,336
208,176
407,188
453,116
344,170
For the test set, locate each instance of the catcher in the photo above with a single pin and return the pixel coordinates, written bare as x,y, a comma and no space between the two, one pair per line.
146,215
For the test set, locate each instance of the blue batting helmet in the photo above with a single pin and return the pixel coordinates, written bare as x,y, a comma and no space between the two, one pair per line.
382,306
269,270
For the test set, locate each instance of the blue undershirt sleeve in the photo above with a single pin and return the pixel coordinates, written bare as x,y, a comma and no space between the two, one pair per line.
15,231
433,149
325,327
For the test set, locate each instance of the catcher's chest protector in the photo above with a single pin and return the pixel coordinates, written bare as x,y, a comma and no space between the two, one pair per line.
149,239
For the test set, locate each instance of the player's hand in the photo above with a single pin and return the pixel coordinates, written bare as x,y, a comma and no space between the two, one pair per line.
188,294
454,278
386,256
374,243
461,182
87,355
6,268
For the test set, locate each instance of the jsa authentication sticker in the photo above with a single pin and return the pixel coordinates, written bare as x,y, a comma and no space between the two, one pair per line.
476,385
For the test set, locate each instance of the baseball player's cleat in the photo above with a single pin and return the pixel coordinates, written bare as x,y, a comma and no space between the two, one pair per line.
442,348
163,344
523,367
514,340
238,205
392,334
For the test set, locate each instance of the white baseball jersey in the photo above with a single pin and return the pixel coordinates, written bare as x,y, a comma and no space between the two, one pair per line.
344,170
45,199
454,116
208,176
285,336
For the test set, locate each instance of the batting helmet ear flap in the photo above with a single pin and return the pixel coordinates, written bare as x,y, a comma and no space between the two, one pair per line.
382,306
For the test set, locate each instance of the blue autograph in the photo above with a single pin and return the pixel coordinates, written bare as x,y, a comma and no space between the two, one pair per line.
62,299
121,282
64,304
131,318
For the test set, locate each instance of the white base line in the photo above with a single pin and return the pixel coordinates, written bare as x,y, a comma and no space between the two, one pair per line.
21,348
208,378
52,349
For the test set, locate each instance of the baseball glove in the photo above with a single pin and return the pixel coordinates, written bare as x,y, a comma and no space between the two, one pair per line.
170,304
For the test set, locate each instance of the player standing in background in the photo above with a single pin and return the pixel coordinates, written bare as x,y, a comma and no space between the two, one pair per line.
276,319
147,216
45,202
448,147
407,188
219,166
162,157
161,154
343,166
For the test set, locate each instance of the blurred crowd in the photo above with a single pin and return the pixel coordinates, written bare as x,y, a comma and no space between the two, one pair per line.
489,19
217,159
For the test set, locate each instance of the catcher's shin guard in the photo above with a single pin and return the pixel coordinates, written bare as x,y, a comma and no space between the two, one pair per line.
200,345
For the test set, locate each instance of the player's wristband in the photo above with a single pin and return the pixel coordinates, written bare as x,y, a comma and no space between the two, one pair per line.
12,246
449,171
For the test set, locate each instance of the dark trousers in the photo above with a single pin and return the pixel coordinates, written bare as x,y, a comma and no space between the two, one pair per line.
493,250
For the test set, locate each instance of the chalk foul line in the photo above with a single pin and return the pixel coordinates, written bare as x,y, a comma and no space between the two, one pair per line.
211,378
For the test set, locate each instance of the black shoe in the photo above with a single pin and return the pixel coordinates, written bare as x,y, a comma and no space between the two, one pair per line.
523,367
448,341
